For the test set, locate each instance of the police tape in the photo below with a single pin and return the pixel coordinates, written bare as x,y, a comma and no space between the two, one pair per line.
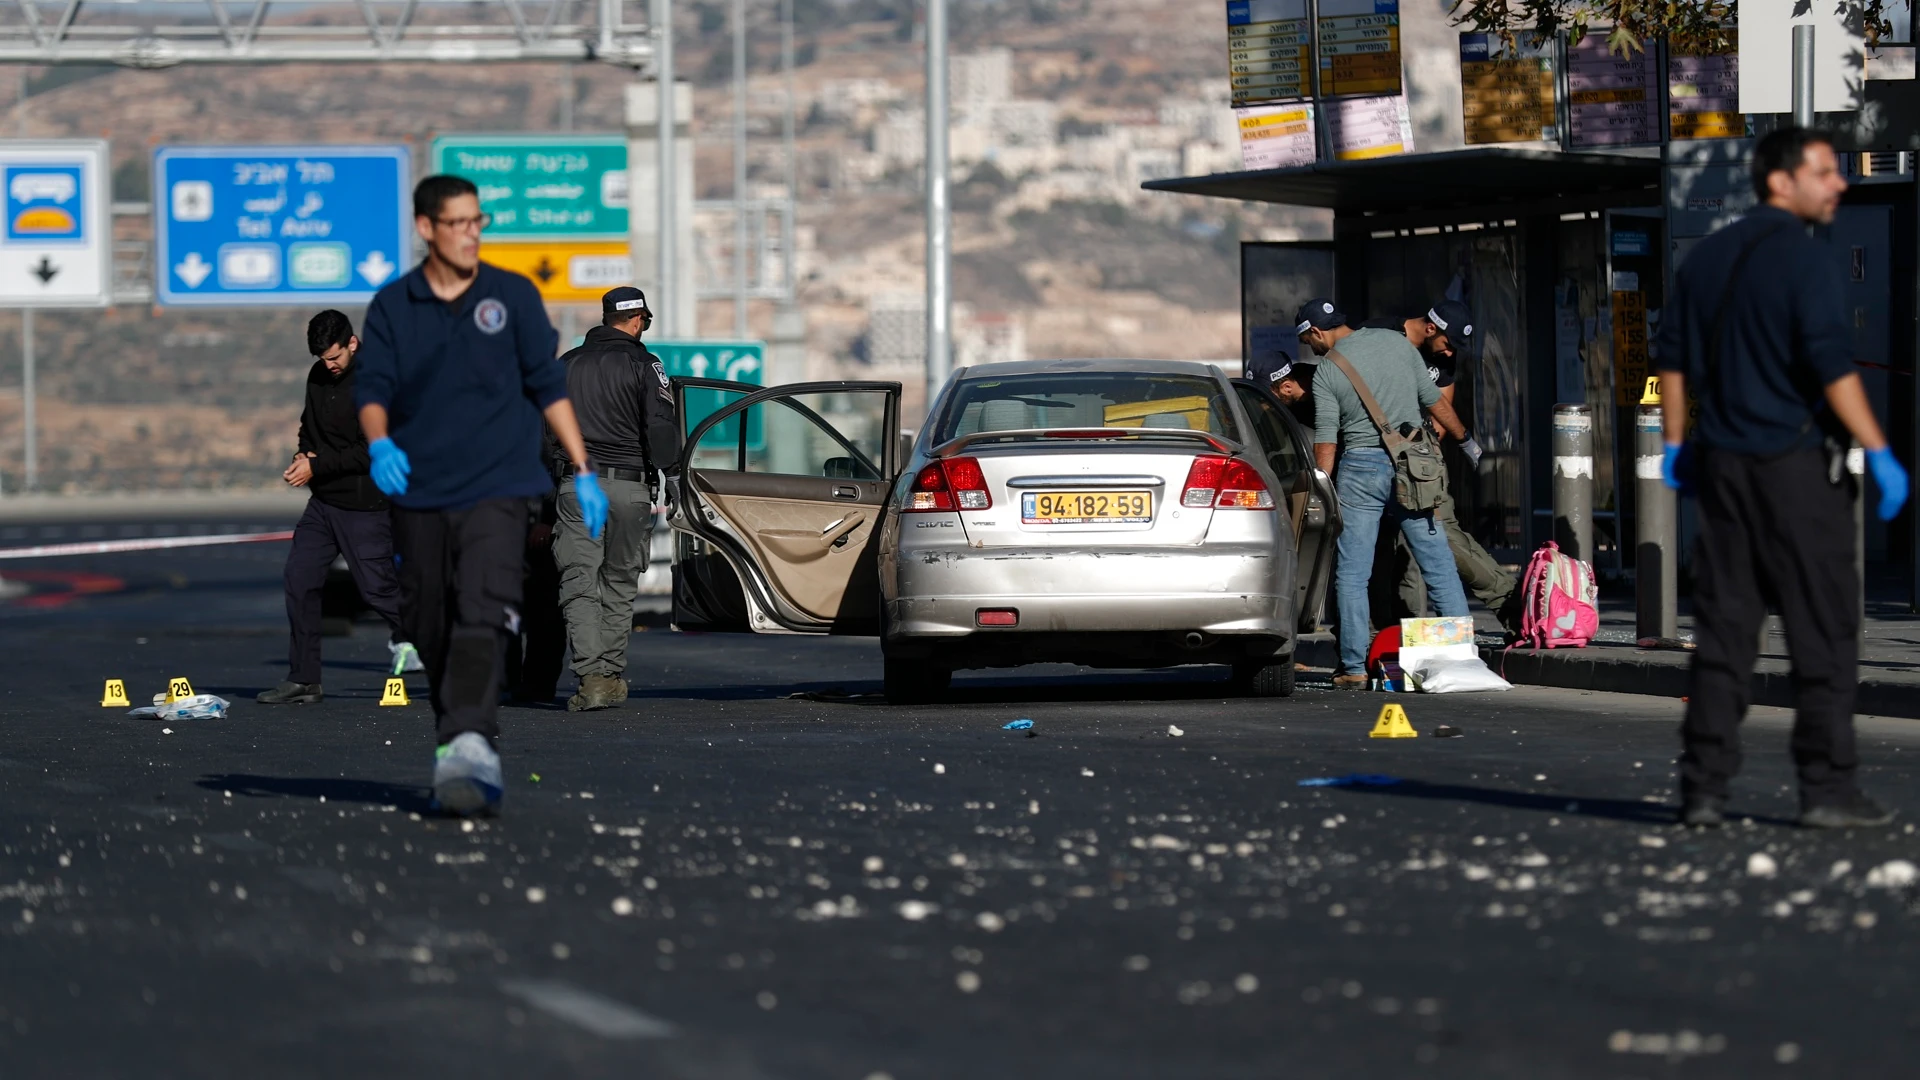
157,543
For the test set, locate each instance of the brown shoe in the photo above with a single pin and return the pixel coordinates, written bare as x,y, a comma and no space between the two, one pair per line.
1349,682
598,692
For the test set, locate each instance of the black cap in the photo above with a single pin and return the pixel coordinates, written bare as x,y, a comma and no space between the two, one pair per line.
625,300
1317,314
1300,372
1453,319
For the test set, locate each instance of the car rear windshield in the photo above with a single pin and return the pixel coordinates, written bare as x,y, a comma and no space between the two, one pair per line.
1110,399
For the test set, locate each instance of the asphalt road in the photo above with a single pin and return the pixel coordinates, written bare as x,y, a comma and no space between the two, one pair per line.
721,880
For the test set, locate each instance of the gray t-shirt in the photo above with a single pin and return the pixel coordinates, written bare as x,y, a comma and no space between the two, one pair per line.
1393,371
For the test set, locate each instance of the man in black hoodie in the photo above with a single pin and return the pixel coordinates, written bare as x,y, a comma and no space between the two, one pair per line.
345,514
620,393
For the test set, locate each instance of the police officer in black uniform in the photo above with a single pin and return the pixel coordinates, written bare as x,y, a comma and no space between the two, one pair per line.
620,393
1290,380
1756,327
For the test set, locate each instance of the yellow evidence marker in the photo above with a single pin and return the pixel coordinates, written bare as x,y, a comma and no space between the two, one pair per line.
114,694
395,693
178,689
1393,724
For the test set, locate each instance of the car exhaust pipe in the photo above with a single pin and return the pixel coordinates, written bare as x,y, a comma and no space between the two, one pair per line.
1195,639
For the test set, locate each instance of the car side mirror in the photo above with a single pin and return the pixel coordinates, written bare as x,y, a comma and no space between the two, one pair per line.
840,468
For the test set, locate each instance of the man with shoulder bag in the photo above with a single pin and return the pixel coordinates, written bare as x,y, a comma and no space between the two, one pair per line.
1372,392
1756,329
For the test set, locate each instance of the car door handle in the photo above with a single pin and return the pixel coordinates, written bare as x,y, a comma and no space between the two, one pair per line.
845,491
837,532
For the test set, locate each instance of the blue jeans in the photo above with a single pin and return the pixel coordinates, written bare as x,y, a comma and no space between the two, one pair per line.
1365,486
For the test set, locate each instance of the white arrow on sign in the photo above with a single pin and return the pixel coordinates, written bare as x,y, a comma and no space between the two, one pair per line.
375,268
193,269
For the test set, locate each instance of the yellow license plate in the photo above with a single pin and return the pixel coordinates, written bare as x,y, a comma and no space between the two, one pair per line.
1085,507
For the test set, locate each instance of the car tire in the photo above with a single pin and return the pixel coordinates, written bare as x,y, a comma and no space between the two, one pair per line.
913,682
1275,679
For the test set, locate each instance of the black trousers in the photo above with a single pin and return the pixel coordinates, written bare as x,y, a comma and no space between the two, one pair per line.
365,537
460,601
537,656
1774,531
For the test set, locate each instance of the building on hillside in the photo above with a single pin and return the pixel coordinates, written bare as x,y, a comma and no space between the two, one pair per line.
846,99
896,331
897,336
1024,123
987,337
901,138
979,80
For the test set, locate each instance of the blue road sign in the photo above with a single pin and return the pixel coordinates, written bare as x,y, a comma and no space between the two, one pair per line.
280,225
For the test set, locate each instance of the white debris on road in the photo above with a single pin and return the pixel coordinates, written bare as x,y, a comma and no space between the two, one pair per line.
1897,874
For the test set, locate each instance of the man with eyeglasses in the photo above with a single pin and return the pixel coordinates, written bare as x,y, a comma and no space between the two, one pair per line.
457,369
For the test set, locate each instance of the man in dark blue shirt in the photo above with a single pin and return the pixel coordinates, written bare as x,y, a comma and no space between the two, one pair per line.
1756,329
456,370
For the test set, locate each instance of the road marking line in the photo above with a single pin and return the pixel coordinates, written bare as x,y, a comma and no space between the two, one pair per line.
602,1016
109,547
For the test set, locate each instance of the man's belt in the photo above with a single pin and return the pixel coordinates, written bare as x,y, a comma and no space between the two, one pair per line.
609,472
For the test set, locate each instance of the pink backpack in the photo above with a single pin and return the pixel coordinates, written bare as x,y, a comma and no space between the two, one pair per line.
1558,596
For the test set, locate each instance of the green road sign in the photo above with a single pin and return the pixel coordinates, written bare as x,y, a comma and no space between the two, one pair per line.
735,361
543,187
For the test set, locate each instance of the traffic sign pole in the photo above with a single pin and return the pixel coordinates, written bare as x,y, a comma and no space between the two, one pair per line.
28,411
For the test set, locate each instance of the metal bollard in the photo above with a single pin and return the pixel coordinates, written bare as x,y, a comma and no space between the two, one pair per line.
1573,480
1656,533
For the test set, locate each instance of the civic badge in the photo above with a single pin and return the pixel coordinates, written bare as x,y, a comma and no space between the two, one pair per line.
490,316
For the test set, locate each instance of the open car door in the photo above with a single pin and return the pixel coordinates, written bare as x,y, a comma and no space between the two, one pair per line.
779,503
1311,502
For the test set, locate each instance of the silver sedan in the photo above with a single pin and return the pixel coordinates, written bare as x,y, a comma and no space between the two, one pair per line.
1112,513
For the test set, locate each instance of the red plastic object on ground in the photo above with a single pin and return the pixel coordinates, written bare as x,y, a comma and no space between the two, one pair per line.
1385,644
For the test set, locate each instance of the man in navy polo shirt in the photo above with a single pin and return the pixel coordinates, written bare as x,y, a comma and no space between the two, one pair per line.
1756,326
456,369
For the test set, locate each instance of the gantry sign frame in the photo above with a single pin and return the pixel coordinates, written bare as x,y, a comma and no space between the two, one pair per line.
167,33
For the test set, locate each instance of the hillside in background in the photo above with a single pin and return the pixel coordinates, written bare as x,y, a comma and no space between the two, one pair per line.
1057,250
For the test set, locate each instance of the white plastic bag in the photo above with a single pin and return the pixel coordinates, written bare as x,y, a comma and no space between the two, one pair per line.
197,707
1465,676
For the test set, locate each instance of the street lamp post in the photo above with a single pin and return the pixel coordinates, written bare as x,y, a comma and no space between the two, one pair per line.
939,222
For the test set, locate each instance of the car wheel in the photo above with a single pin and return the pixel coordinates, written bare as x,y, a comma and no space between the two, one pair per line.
1273,679
913,682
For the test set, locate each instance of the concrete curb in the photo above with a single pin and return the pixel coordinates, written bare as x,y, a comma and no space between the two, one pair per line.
1623,669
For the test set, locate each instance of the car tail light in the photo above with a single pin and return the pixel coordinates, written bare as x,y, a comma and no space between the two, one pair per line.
969,484
1228,483
1242,488
1203,480
996,617
949,484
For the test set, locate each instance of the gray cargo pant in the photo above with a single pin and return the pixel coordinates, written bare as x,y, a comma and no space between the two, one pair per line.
1480,573
600,578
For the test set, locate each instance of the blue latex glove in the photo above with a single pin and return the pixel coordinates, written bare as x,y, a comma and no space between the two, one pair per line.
1676,467
390,467
593,502
1892,480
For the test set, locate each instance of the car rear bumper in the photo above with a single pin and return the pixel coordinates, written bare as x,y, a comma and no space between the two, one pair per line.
1213,590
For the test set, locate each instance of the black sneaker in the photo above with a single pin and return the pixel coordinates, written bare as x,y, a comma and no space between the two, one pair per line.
1703,811
292,693
1855,812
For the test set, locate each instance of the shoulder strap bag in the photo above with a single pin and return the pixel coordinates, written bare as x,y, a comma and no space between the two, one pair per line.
1419,476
